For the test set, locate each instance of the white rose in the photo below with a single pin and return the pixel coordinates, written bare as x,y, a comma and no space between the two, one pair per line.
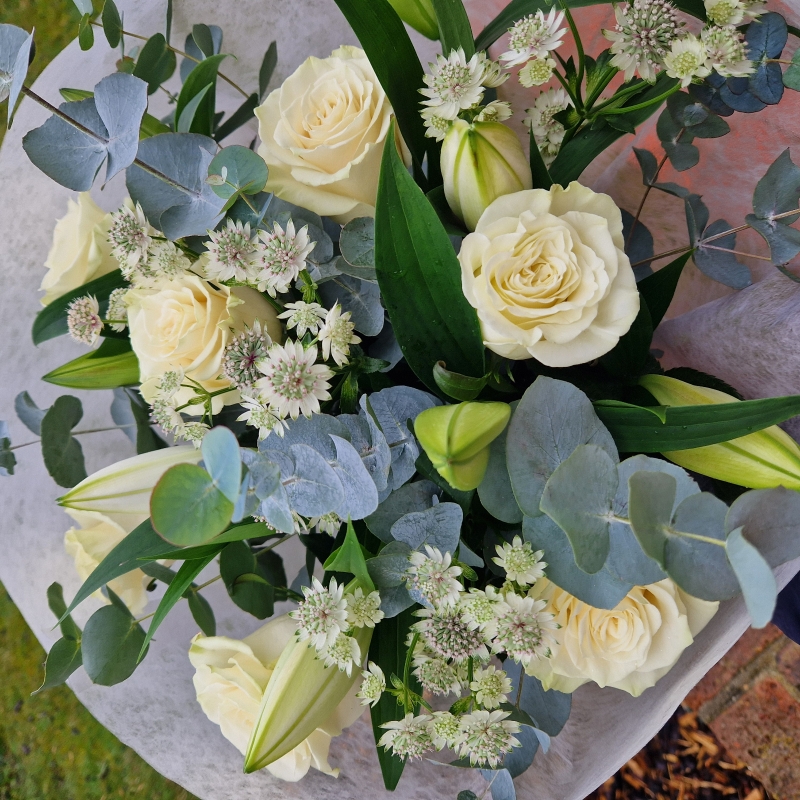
548,275
322,135
80,251
230,679
89,544
185,323
629,647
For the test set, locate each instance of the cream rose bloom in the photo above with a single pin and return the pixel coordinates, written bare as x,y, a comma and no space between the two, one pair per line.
322,135
548,275
230,679
90,543
185,323
80,251
629,647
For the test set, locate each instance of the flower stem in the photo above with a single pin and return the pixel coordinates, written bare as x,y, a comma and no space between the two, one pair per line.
408,705
655,101
659,256
78,433
646,193
581,55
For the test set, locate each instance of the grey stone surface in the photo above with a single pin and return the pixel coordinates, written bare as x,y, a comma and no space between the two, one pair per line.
155,711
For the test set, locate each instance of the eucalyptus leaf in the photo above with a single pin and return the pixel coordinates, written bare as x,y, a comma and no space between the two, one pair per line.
55,601
783,241
371,445
520,758
221,458
548,709
721,265
779,190
758,584
247,586
112,23
314,489
15,48
62,660
277,511
361,298
201,80
650,503
438,526
357,242
696,216
7,458
245,171
552,419
156,62
502,786
62,453
360,492
495,491
412,497
29,413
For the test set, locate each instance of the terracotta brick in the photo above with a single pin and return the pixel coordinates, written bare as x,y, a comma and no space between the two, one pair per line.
752,644
763,729
788,661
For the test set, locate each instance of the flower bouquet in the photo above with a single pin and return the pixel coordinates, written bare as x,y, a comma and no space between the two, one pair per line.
383,332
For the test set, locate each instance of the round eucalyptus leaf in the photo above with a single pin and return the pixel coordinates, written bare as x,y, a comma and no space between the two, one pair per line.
244,171
110,645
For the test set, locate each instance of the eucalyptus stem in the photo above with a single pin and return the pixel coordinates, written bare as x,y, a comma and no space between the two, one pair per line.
77,125
666,253
207,583
644,198
146,616
178,53
78,433
737,252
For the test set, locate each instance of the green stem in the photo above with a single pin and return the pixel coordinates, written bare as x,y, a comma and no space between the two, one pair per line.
207,583
581,55
408,706
608,76
78,433
568,89
655,101
621,95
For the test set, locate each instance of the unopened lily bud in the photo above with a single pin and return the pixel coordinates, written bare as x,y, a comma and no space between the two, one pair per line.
419,14
457,438
760,460
122,491
481,162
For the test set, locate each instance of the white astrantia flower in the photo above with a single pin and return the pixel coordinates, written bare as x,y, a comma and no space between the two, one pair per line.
548,133
164,414
363,610
436,126
437,675
524,631
725,12
727,52
486,736
230,253
193,432
687,60
166,260
83,319
536,72
445,634
304,317
454,84
643,36
281,257
242,354
342,653
169,384
444,729
496,111
326,523
373,684
491,686
336,335
521,564
534,36
493,74
408,737
117,314
322,616
261,416
480,610
433,576
129,236
293,382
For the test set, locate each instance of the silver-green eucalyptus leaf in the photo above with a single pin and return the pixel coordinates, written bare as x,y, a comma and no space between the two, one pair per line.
758,584
438,526
417,496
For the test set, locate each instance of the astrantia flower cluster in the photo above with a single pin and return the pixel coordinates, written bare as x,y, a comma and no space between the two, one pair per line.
531,41
327,618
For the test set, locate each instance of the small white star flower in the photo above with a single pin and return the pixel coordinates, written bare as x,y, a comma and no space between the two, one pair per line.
437,675
725,12
83,319
486,736
454,84
496,111
261,416
166,260
687,60
434,577
293,383
524,631
436,127
343,653
643,35
534,36
480,610
373,684
408,737
536,72
165,416
444,633
242,354
193,432
491,686
548,133
281,257
363,610
117,314
493,74
326,523
230,253
129,236
169,383
322,616
520,562
304,317
726,52
336,335
444,729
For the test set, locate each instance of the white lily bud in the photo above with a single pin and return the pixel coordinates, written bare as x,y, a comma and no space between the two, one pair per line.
481,162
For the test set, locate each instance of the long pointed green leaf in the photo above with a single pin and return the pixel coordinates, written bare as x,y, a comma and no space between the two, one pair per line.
658,289
112,365
454,28
637,429
180,583
420,279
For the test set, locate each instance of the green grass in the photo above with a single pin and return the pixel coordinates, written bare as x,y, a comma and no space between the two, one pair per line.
50,746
